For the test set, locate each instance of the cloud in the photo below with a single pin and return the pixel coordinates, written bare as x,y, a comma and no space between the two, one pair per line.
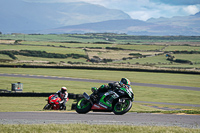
144,9
178,2
191,9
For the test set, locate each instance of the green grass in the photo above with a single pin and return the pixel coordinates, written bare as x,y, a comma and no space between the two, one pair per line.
43,48
161,60
117,55
41,61
100,37
5,57
46,85
175,107
19,104
148,60
154,94
86,128
52,38
173,112
139,77
195,58
58,44
141,47
182,48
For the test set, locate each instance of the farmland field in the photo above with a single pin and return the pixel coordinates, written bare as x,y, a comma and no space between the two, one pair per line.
111,50
42,48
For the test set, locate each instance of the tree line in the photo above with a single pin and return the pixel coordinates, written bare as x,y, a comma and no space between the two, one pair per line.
114,36
42,54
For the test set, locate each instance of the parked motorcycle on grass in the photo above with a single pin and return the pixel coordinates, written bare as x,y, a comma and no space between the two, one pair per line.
118,101
53,103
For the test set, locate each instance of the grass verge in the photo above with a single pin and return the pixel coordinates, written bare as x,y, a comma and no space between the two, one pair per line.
86,128
173,112
19,104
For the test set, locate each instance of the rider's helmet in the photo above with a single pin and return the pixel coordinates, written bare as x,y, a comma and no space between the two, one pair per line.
63,89
125,81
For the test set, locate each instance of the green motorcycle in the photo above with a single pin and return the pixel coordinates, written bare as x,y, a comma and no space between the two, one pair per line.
118,101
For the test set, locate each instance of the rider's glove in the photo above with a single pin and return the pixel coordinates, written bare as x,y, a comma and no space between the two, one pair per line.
116,85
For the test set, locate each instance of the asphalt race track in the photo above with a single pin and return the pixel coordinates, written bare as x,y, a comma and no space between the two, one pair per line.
63,117
60,117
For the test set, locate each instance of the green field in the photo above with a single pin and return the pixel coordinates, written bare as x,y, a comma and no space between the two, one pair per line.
183,48
105,49
142,47
4,57
69,45
118,38
43,48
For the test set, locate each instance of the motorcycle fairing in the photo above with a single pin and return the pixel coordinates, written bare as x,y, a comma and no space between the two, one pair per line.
107,99
98,107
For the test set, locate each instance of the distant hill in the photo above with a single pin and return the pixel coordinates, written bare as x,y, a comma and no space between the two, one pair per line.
18,16
116,26
187,25
25,17
190,24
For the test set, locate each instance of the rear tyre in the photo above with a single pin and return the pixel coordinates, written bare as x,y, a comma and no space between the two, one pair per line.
83,106
47,107
121,108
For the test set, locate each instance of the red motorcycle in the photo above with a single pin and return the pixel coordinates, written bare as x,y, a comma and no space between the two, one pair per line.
53,103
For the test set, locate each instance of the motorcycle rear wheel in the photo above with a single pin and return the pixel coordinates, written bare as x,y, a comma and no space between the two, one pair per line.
121,108
83,106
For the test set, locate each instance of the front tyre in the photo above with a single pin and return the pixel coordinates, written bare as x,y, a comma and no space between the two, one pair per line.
122,106
83,106
47,107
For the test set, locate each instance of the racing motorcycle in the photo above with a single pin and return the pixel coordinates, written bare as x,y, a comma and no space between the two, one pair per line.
119,101
53,103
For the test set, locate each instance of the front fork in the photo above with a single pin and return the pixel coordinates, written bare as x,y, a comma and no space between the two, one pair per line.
121,100
87,97
121,103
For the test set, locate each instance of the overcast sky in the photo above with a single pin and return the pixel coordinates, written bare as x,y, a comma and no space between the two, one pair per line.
145,9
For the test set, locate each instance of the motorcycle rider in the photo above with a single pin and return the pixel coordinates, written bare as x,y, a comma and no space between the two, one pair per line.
62,93
112,86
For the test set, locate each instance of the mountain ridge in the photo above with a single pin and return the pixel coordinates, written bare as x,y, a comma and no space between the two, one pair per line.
81,17
40,16
178,25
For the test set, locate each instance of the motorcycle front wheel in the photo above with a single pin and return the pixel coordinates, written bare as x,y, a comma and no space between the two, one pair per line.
47,107
123,106
83,106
